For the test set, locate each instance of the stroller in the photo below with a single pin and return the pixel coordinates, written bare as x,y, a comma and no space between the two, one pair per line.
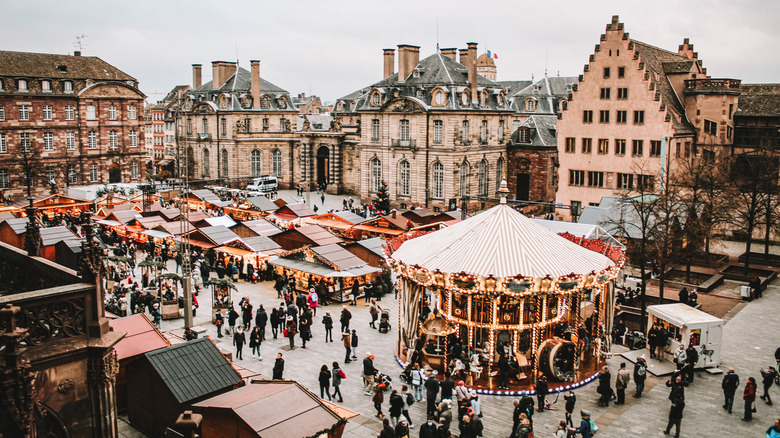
382,381
384,321
636,340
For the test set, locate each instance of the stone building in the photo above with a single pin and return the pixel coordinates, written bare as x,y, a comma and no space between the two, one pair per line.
239,126
79,118
309,104
635,112
434,130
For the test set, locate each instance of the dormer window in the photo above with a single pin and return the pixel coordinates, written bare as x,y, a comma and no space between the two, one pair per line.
416,74
465,98
340,106
500,100
265,102
438,98
46,86
530,105
246,102
376,99
420,94
62,68
67,86
281,103
524,135
21,85
483,98
223,102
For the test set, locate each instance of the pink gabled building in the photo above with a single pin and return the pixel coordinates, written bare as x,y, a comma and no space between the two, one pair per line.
636,111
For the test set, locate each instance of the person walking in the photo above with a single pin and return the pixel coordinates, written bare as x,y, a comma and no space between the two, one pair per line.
584,429
232,318
346,340
354,343
387,429
344,319
374,311
305,327
327,320
772,432
219,320
291,331
408,399
562,430
417,381
604,388
324,379
378,398
541,392
369,373
431,391
278,367
621,383
571,400
275,321
239,339
429,429
396,407
523,428
729,384
640,374
313,300
261,320
338,375
749,396
768,379
691,359
246,314
402,429
255,339
675,417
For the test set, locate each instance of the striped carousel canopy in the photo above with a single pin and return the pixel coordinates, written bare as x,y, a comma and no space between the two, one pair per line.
503,243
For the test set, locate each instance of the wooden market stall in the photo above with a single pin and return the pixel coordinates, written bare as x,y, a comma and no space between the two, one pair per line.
689,326
221,295
168,293
311,235
212,221
387,226
13,231
332,263
53,204
50,237
257,227
106,209
511,287
370,251
269,408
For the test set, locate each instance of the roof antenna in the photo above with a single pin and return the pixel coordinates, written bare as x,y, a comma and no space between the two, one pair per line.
437,33
546,54
80,41
235,78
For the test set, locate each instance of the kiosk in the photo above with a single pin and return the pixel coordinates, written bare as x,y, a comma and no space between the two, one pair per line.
689,326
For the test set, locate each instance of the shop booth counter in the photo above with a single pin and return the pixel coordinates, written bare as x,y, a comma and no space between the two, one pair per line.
689,326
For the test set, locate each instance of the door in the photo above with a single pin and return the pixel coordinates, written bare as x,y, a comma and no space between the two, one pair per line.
322,164
523,187
114,174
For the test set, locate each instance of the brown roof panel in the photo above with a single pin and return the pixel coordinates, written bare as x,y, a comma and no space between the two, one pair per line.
45,65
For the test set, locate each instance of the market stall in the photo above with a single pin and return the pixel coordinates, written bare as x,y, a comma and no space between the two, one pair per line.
168,293
512,287
221,296
689,326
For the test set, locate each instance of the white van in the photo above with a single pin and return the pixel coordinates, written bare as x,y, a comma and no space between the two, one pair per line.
263,184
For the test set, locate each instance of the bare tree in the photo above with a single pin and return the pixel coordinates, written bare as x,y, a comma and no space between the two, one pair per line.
30,166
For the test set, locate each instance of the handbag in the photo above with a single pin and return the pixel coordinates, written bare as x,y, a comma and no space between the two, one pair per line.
284,332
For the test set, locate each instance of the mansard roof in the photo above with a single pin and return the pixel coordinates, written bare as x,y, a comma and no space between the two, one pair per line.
54,66
759,100
238,86
546,92
543,131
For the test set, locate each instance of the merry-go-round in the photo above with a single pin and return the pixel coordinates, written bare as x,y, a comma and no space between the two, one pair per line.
498,300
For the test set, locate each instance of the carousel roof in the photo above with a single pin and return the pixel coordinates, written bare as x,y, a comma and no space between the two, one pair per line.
503,243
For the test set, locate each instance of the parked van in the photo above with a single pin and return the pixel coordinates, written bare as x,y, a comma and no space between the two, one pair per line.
264,184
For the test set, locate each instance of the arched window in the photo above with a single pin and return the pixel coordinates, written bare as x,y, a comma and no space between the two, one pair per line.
205,163
376,174
224,163
499,172
404,177
464,179
276,163
483,183
530,105
438,180
255,167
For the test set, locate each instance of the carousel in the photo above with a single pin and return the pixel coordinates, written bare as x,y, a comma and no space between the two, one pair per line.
513,295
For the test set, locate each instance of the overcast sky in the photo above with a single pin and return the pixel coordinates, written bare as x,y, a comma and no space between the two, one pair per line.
330,48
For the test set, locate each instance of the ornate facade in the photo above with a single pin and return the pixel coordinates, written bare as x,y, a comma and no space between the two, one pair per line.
78,118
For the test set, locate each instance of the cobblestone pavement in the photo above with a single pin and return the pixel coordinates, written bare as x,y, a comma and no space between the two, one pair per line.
749,341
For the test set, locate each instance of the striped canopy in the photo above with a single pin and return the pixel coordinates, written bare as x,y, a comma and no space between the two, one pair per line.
503,243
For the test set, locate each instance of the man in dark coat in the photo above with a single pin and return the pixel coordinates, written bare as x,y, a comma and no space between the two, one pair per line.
278,367
446,386
345,317
503,372
431,391
246,311
768,379
730,384
261,320
690,363
675,417
541,392
275,320
239,339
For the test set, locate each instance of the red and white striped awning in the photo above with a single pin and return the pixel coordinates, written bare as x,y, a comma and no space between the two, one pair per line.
503,243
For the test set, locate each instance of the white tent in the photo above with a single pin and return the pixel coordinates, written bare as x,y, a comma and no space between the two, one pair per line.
690,326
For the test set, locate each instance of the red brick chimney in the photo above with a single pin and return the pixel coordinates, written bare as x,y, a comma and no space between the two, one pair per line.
389,57
464,57
472,48
408,58
255,85
451,53
222,70
393,213
197,75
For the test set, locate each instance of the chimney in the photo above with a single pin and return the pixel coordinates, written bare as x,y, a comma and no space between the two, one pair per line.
450,53
77,53
464,57
389,56
188,423
222,70
255,84
197,75
472,48
408,58
393,213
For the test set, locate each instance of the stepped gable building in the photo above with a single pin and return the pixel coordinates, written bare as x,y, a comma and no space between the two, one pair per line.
78,118
533,147
636,110
434,130
239,125
166,153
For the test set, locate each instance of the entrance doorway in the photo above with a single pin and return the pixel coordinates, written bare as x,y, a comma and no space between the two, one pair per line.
523,187
323,154
114,174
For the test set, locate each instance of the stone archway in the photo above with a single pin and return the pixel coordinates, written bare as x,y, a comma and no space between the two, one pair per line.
114,173
323,162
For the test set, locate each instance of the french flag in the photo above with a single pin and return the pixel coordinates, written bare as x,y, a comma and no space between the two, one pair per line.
492,55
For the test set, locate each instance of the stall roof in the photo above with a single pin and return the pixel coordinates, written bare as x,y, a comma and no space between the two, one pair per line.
379,230
276,408
150,222
52,235
108,223
320,269
681,314
324,222
262,203
18,224
500,242
193,369
170,213
221,220
285,200
339,256
374,245
295,210
196,216
349,216
6,216
218,234
260,243
176,227
262,227
206,195
123,216
157,234
320,236
141,336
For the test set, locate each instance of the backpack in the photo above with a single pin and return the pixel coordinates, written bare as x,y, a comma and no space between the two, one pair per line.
409,399
341,374
593,428
640,371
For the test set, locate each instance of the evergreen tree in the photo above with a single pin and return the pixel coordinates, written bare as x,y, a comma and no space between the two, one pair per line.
382,203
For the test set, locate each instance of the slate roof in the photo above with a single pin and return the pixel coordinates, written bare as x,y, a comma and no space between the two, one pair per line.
318,235
45,65
238,86
434,71
547,92
543,131
18,225
759,100
193,369
374,245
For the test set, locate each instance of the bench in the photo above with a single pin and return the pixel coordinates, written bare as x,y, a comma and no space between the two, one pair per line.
711,283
